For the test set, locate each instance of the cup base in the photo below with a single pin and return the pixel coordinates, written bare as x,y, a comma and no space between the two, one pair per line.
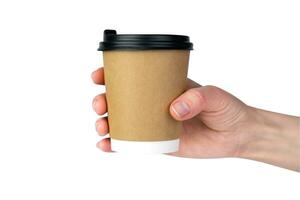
166,146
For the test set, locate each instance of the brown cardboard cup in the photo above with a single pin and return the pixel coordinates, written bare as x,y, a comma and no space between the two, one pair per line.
140,86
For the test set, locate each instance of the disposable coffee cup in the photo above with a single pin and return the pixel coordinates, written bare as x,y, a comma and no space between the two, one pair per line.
143,74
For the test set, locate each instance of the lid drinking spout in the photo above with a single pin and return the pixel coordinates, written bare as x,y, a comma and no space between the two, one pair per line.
109,32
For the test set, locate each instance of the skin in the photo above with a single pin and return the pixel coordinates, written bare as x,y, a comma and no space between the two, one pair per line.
217,124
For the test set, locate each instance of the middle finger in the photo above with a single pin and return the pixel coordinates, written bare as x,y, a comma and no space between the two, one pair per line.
99,104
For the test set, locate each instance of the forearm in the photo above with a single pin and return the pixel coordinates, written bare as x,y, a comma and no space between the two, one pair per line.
273,138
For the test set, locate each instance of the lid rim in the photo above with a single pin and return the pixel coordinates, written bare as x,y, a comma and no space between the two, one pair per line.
114,41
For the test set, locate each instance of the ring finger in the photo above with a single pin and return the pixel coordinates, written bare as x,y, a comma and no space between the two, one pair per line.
102,126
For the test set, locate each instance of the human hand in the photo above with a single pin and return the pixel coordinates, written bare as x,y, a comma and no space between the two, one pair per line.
217,124
211,119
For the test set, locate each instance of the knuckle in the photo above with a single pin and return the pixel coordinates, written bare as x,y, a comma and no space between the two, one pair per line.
216,92
222,99
214,89
196,94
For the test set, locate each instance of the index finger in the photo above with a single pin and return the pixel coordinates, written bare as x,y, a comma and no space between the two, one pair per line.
98,76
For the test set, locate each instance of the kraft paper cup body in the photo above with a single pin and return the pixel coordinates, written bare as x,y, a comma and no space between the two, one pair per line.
140,86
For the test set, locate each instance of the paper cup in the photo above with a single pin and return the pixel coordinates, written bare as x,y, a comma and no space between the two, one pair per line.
141,81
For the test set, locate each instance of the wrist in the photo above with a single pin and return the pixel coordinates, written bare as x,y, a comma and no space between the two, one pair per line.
272,138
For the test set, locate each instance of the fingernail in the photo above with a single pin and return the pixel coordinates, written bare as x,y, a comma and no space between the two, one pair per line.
92,74
96,126
98,145
98,129
181,108
94,104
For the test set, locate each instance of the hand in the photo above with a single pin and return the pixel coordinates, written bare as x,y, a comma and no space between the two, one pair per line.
211,120
217,124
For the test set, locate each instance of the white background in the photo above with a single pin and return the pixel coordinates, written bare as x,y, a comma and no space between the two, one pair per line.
47,134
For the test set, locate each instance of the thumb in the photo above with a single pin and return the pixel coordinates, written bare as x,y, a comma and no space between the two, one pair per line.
196,100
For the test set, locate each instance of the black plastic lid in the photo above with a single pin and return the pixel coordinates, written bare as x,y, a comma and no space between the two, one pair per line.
114,41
